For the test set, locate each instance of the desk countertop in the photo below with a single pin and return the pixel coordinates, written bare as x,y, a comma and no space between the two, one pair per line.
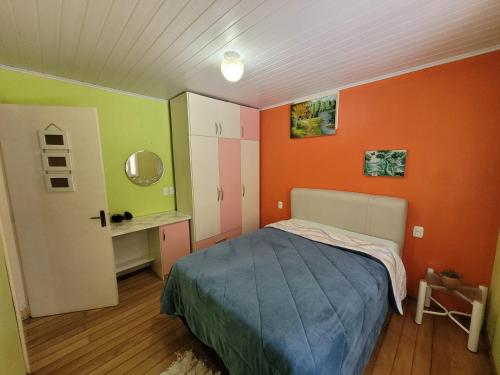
146,222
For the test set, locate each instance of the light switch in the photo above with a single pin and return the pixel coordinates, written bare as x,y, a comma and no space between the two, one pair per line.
172,190
166,191
280,205
418,231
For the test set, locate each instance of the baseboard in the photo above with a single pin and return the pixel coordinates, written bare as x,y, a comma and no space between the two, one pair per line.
25,312
492,361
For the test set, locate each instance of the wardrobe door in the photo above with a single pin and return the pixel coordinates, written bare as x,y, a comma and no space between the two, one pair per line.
250,185
202,115
249,120
228,116
230,182
205,181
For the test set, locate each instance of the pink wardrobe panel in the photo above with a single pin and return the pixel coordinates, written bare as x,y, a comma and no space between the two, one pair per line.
230,183
249,120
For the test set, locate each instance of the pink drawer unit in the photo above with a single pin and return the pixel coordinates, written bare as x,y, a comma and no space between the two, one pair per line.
212,241
175,243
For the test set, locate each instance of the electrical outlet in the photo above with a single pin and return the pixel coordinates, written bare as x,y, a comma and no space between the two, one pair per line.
280,205
418,231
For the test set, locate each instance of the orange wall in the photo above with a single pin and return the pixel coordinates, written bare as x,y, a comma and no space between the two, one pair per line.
448,118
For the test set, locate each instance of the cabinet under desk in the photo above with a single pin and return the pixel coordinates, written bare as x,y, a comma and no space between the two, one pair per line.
155,240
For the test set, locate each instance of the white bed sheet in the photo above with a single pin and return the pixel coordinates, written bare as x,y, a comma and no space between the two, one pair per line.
363,237
386,251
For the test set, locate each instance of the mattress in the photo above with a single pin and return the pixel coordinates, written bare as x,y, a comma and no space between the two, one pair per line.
274,302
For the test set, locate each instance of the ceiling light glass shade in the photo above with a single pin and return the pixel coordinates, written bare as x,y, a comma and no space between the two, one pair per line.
232,66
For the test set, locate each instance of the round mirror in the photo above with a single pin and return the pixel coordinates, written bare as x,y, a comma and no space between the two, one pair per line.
144,168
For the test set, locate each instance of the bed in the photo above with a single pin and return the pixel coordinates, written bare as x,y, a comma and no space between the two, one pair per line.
307,295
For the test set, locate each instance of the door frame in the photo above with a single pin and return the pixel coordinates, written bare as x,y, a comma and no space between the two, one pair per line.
10,226
11,245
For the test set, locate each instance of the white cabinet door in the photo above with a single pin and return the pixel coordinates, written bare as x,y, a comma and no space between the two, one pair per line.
250,185
202,115
67,256
228,116
205,181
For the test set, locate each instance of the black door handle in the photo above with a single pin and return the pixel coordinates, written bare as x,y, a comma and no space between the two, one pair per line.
102,217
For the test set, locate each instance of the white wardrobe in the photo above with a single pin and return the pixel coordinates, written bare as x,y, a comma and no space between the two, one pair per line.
216,167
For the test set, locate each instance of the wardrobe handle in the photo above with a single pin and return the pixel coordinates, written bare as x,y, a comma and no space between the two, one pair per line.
216,129
243,188
220,127
218,194
163,236
221,194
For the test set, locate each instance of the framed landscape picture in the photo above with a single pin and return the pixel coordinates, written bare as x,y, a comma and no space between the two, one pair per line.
314,118
385,163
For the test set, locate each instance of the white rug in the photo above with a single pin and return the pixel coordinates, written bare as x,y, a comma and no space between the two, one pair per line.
188,364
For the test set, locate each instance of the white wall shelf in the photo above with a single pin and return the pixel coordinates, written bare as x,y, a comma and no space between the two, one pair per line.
133,264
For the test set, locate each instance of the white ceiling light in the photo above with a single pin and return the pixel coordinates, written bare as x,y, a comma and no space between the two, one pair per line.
232,66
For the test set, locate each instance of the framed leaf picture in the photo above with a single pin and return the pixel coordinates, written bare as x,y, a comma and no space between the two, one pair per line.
385,163
314,118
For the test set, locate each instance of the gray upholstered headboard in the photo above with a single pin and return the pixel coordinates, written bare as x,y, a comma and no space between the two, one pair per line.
374,215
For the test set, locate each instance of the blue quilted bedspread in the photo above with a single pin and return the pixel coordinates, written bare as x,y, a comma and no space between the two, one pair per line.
272,302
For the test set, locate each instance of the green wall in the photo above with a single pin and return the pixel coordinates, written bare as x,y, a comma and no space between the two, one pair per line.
11,354
493,322
128,123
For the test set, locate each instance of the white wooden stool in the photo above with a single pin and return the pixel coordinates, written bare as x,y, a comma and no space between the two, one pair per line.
476,296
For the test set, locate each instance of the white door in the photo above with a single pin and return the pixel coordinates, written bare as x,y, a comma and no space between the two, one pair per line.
67,257
206,188
250,185
202,115
228,116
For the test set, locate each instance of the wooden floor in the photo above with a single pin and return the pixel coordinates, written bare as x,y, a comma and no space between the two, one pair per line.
133,338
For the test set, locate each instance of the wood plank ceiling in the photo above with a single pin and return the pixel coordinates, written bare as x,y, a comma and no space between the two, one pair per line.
291,48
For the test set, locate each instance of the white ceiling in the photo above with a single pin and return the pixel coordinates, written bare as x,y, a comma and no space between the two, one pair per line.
291,48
